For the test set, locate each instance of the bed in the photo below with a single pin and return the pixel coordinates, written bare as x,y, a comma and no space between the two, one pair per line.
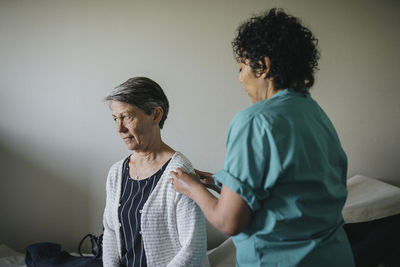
371,213
372,216
10,257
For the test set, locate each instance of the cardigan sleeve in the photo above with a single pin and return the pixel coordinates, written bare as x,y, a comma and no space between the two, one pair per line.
110,243
191,228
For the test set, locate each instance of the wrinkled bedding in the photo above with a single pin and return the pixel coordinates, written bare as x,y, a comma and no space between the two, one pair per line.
370,199
10,257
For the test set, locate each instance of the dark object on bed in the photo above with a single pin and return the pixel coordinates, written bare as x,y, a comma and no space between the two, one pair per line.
50,254
97,245
375,242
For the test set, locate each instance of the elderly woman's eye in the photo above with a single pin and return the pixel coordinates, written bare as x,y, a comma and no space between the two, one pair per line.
127,119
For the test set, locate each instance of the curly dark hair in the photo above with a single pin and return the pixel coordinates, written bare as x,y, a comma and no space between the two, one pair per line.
290,46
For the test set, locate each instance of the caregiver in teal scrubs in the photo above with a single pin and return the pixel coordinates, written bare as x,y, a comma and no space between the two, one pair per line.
284,176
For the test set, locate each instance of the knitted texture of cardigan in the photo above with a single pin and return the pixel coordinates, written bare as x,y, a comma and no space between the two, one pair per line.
173,226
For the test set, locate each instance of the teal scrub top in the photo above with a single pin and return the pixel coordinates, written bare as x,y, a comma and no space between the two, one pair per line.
284,158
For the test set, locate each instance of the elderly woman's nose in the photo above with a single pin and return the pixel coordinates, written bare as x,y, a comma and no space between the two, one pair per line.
240,77
121,127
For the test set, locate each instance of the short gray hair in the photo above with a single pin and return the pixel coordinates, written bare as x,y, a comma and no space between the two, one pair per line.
143,93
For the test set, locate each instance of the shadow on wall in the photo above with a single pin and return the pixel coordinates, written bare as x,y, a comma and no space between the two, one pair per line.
39,205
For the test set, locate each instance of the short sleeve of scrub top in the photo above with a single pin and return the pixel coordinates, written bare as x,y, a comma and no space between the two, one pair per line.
249,148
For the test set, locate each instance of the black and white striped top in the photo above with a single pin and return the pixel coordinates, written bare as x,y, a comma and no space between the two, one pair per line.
134,195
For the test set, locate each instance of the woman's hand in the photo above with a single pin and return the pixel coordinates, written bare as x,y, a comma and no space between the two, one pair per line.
183,182
207,180
230,213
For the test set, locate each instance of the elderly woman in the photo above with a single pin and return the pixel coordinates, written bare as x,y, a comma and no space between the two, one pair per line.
147,223
284,176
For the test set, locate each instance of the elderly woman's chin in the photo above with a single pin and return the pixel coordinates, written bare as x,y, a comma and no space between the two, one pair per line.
131,143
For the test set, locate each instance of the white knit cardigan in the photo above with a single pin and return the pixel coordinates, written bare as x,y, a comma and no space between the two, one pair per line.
173,226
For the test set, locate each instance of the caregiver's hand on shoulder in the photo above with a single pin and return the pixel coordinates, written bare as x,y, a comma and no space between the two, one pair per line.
207,180
183,182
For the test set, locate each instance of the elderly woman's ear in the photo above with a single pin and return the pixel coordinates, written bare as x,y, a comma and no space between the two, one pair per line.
157,114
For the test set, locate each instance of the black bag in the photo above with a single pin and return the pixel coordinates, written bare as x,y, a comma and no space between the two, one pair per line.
50,255
97,245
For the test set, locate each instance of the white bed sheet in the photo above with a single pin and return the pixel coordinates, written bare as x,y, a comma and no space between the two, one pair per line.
370,199
10,257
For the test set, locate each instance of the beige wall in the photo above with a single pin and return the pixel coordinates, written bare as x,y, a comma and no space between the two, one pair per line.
58,59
